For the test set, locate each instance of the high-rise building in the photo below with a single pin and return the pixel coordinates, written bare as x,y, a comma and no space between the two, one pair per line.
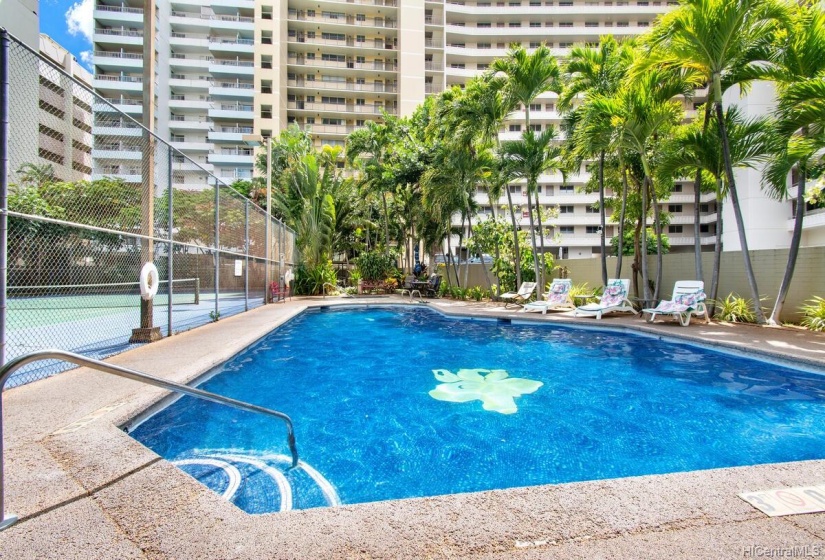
226,68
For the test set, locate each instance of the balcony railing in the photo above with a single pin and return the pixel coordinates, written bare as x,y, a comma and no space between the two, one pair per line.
120,32
374,65
110,54
244,63
110,78
115,101
223,41
320,84
348,19
218,17
348,42
124,9
338,108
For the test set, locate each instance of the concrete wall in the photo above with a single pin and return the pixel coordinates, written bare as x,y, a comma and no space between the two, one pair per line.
769,266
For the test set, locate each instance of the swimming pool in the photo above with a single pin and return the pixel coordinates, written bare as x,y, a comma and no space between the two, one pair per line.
386,405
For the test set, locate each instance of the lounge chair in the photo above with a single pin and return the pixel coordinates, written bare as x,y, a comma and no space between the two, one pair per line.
688,299
557,298
613,299
519,297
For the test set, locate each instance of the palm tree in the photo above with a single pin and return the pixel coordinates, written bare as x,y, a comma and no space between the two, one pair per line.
593,71
528,158
696,146
724,41
36,174
798,68
527,77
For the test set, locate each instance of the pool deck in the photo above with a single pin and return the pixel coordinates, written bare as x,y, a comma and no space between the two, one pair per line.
85,489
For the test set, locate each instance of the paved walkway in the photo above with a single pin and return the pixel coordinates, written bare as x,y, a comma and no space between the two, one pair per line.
85,489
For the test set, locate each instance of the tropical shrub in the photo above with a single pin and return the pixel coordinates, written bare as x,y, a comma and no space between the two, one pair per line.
354,277
375,265
310,281
476,293
627,243
457,292
577,290
735,309
813,312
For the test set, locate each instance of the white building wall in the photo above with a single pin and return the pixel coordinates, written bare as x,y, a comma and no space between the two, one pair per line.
766,219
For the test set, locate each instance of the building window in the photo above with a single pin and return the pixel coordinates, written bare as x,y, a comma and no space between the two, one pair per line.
674,208
677,187
514,24
567,229
592,229
515,128
704,228
484,25
674,229
566,189
515,189
333,36
535,127
483,45
535,24
704,207
566,209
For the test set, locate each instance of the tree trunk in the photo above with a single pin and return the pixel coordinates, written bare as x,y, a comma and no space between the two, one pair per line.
533,238
483,264
737,213
497,246
516,251
637,250
602,221
386,224
541,280
697,202
461,252
645,284
620,244
717,254
657,227
793,252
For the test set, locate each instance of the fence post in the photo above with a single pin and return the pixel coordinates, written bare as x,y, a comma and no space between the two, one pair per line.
7,519
246,256
217,245
170,272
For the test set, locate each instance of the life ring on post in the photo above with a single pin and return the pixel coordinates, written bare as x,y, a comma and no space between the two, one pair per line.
149,281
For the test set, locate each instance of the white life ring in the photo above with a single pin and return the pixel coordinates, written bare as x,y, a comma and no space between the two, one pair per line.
149,281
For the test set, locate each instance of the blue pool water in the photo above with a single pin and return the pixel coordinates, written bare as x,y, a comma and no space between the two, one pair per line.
357,384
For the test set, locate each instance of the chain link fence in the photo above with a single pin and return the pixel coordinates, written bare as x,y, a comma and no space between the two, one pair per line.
92,196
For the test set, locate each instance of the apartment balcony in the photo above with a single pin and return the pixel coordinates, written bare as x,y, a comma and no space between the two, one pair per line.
186,146
113,61
374,66
190,103
221,44
82,158
232,111
345,45
129,106
681,241
53,145
337,24
221,67
232,90
471,53
189,21
677,219
118,83
229,133
117,129
433,66
232,6
460,72
118,15
342,3
484,13
127,174
191,41
433,88
185,164
118,37
195,84
181,62
179,122
119,151
329,129
813,219
232,157
688,198
337,109
228,22
318,85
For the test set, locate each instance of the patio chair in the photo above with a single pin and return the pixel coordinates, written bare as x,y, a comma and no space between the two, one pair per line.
408,288
522,295
557,298
433,284
688,299
613,299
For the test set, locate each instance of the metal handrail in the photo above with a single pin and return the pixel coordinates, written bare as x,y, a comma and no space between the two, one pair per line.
7,370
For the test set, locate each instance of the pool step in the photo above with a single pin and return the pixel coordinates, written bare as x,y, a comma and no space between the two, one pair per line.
259,483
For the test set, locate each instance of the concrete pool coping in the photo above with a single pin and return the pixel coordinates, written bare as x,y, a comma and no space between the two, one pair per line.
85,489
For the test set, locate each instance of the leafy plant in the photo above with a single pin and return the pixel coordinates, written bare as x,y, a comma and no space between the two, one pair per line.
458,293
813,312
735,309
375,265
577,290
354,277
476,293
310,281
214,316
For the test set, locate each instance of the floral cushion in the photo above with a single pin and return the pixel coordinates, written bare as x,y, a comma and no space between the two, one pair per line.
613,295
682,303
559,288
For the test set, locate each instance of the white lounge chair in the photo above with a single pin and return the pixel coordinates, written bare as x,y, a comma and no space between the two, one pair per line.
522,295
557,298
688,299
614,298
